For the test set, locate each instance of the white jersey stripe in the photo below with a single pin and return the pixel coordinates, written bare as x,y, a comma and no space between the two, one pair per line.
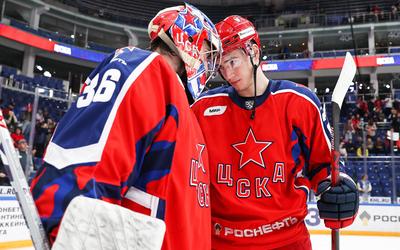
144,199
210,96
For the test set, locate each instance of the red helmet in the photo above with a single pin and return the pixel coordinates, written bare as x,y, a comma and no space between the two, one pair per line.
235,32
183,29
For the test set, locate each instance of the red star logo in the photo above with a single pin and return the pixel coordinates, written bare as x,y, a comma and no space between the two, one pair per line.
189,20
250,150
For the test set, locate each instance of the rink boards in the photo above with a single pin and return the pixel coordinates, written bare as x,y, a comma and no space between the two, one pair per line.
372,220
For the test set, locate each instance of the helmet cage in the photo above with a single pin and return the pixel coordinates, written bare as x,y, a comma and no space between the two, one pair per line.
186,30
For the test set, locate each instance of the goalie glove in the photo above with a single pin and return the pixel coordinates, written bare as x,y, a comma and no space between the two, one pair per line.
338,205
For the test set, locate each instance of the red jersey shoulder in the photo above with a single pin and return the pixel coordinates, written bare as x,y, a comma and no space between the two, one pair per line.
212,102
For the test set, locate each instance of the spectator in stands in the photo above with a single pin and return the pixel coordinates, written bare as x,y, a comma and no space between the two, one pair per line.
42,129
17,135
380,146
364,187
377,12
378,104
356,123
395,129
371,129
370,146
306,53
387,105
348,130
4,181
394,12
39,116
350,147
342,149
362,106
26,124
26,163
361,152
9,116
285,52
371,106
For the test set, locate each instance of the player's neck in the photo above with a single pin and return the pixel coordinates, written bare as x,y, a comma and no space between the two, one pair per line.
262,82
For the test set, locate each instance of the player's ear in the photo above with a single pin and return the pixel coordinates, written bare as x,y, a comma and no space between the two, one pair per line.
255,53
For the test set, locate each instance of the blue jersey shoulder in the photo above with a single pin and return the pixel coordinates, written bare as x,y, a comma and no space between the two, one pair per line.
289,86
93,107
225,89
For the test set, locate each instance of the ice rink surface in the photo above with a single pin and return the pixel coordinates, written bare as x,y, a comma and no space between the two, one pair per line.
347,242
350,242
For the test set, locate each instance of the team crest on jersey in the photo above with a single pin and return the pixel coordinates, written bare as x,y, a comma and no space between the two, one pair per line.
215,110
251,150
249,104
197,179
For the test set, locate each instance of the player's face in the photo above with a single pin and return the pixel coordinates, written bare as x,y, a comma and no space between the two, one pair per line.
237,69
210,58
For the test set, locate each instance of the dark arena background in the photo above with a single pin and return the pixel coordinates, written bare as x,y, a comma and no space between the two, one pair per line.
49,47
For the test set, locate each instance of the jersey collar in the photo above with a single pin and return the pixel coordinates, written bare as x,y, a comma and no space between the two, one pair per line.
243,101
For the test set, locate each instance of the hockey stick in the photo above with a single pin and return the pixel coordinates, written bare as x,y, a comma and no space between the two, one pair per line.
18,181
345,79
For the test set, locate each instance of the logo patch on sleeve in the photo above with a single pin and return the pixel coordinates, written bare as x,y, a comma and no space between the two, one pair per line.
215,110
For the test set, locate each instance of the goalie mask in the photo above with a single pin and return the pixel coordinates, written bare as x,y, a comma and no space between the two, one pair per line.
184,29
237,32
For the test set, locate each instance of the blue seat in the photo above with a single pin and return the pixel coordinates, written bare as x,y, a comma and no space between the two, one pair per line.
373,176
386,184
376,191
384,176
375,184
387,192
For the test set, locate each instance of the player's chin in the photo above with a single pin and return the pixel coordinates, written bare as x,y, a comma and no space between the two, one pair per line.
235,84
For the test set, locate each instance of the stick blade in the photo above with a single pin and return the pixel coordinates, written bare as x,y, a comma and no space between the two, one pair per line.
345,79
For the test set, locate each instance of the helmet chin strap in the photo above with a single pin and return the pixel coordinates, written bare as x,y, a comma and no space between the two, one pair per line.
255,66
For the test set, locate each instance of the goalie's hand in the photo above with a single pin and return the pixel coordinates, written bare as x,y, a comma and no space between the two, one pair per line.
338,205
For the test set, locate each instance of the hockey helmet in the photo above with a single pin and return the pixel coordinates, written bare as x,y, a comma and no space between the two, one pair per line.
184,29
237,32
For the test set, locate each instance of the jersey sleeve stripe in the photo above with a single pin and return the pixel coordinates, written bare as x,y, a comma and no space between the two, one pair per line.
326,130
209,96
144,199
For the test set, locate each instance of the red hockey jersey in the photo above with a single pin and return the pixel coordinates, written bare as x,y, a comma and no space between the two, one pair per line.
131,139
263,168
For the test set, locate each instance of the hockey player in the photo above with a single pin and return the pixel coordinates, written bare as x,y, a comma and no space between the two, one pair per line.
269,144
131,138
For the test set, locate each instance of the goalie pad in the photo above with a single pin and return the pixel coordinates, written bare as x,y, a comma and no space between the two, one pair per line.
95,224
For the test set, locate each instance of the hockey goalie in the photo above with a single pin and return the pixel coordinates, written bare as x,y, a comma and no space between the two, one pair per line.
131,140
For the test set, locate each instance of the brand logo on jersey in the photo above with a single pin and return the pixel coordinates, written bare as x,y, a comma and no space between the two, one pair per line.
215,110
251,150
217,228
